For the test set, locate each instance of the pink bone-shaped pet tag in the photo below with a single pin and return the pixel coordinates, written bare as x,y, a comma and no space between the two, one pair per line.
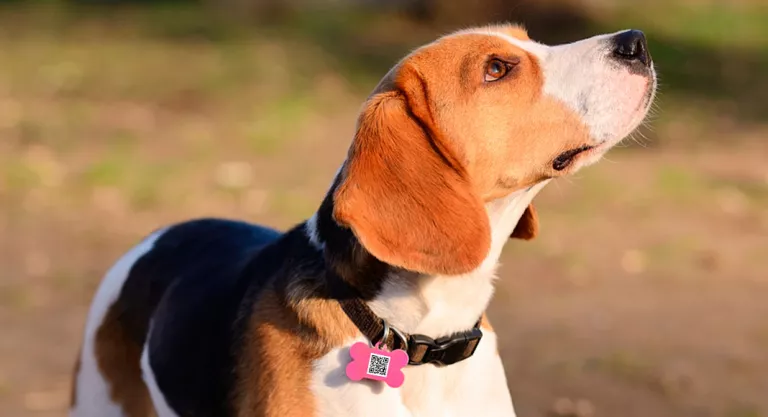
374,363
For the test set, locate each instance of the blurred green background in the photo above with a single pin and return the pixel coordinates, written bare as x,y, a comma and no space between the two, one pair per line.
645,294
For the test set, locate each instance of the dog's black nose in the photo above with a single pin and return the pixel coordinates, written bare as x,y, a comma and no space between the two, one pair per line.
631,46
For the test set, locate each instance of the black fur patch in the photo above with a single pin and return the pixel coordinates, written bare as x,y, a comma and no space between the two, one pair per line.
198,285
347,259
191,285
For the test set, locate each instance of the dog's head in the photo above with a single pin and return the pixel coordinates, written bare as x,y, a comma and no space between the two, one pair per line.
474,117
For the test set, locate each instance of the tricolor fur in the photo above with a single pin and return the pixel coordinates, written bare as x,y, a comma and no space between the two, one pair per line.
224,318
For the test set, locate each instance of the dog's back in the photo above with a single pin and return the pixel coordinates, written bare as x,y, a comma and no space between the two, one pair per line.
178,293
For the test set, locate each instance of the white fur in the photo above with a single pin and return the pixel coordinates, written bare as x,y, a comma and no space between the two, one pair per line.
439,305
336,396
311,228
158,399
435,306
474,387
608,98
93,398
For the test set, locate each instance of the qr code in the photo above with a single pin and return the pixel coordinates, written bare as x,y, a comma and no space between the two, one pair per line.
378,365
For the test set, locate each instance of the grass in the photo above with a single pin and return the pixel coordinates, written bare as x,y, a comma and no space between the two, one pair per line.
628,366
743,410
717,24
185,96
684,185
13,297
679,183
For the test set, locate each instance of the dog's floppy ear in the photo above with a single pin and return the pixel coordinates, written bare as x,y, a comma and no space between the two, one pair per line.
404,194
528,226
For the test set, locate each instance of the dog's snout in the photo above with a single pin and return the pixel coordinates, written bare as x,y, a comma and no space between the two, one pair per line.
631,47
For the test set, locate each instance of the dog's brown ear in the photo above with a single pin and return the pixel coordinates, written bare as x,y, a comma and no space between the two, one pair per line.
402,191
528,226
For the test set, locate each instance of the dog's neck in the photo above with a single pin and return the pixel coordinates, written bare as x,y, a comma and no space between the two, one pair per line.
433,305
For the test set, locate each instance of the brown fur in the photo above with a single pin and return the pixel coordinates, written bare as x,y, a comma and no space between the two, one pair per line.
282,342
118,357
435,141
485,324
528,226
407,205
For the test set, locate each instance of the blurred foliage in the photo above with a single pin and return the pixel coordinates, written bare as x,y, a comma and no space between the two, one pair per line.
714,51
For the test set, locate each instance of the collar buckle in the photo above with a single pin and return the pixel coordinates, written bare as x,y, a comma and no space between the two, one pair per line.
445,350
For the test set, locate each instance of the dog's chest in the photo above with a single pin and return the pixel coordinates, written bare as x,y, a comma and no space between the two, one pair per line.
476,386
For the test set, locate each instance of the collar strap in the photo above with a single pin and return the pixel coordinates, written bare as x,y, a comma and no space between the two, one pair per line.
421,349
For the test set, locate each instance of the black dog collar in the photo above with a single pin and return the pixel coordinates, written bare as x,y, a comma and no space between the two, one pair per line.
421,349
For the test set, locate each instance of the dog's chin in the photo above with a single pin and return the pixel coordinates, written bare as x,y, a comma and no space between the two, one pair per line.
632,121
596,152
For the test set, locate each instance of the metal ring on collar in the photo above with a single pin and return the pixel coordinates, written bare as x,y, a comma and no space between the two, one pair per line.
402,337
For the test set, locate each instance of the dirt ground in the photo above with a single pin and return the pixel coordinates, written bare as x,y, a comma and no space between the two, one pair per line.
644,295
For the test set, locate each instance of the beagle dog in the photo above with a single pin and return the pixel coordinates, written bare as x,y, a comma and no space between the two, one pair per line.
222,318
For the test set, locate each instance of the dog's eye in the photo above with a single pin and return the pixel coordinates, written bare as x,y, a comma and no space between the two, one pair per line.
495,70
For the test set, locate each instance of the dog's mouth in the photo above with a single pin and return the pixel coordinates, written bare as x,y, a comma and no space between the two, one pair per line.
565,159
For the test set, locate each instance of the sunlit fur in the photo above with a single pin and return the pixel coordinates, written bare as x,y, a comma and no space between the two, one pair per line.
442,171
